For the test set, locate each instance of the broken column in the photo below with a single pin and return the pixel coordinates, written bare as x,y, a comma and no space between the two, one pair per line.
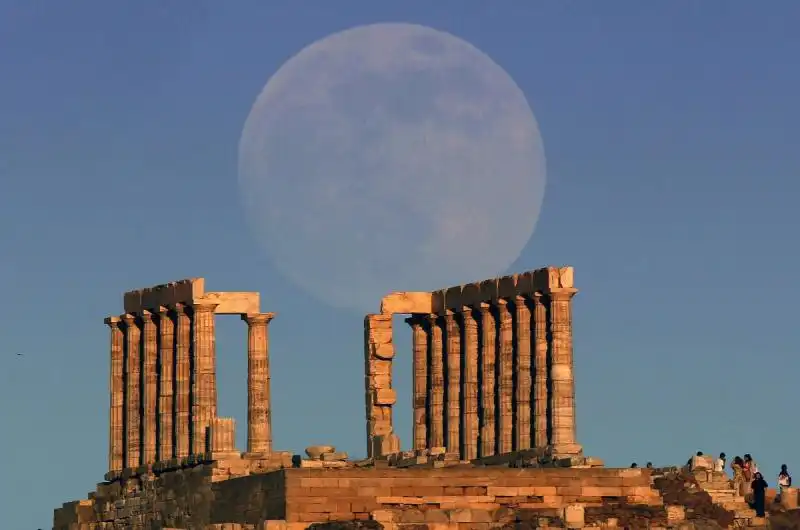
182,417
505,355
259,417
541,431
223,439
522,322
379,398
116,447
166,362
469,348
132,344
487,376
419,342
149,386
453,387
562,399
435,384
204,409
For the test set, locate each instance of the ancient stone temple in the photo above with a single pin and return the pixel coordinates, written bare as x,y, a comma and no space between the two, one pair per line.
163,388
492,367
493,446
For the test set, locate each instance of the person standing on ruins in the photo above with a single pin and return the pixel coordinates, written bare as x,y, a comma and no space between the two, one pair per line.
737,466
719,463
759,487
784,479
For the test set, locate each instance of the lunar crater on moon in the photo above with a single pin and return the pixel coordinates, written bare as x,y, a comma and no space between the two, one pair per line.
390,157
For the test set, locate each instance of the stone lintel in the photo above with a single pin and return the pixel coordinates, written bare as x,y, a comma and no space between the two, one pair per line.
407,302
189,292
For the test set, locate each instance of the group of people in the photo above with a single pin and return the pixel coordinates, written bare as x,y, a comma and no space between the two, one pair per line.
748,479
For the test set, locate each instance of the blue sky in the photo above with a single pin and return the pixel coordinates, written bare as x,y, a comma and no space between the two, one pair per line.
669,128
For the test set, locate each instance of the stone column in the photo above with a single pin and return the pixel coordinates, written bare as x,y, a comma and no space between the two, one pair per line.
116,444
259,416
522,323
488,373
133,373
436,384
166,382
419,341
469,416
505,394
223,439
182,416
204,408
149,387
562,397
541,434
453,388
379,394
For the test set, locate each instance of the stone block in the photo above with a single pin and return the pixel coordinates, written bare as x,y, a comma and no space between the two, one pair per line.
675,513
507,286
489,290
574,516
471,294
407,303
789,498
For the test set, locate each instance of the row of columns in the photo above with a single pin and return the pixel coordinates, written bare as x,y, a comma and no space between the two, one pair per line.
163,387
497,377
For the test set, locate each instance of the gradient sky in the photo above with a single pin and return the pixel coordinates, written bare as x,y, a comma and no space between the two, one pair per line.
668,128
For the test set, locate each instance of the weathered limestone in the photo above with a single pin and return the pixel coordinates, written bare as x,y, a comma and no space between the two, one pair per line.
436,383
505,388
540,405
116,448
522,343
562,398
132,346
204,405
488,429
149,386
190,292
223,438
419,338
259,417
380,396
453,387
166,383
469,349
183,381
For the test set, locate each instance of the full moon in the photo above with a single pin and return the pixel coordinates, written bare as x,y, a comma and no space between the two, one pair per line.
390,157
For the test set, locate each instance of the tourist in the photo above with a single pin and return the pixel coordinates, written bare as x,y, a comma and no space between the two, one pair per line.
759,487
634,465
719,463
747,468
649,465
784,479
737,466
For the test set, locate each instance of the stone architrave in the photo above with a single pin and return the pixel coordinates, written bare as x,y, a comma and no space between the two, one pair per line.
540,420
116,446
379,394
436,384
166,382
149,387
488,422
419,340
562,398
204,408
469,416
522,323
453,387
132,345
181,417
505,390
259,417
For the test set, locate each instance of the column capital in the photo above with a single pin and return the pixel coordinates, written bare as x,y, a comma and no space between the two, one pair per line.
178,309
433,318
204,307
257,318
145,315
112,322
561,294
466,310
520,299
128,318
483,307
162,311
449,315
416,319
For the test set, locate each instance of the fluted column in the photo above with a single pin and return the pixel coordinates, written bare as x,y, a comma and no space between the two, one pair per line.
204,407
488,421
379,395
436,385
469,416
132,345
541,434
453,377
116,444
259,416
419,341
505,395
562,399
149,387
182,408
166,381
522,323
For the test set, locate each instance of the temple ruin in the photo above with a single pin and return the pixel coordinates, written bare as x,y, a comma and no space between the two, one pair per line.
493,445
